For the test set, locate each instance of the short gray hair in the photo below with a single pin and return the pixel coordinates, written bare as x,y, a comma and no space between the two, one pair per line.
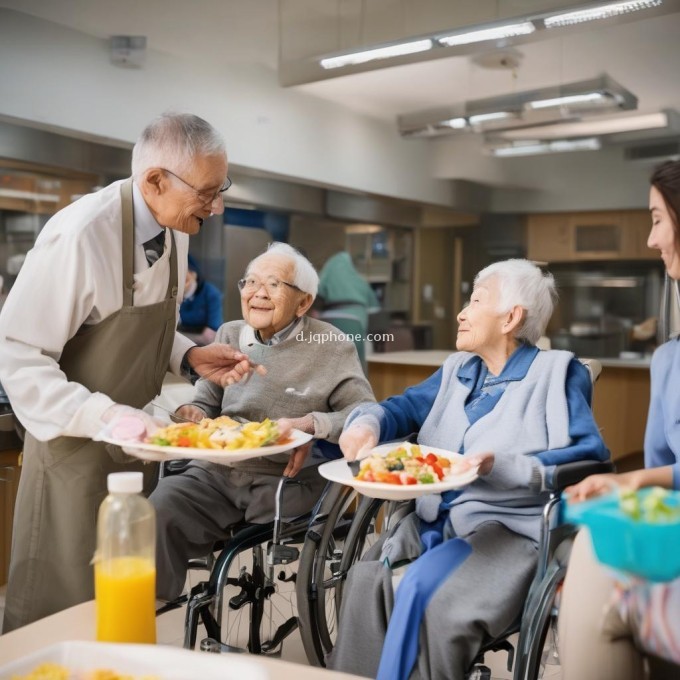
173,140
521,282
305,277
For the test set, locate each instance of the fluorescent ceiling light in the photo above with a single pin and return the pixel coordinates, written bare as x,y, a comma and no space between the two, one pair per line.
377,53
603,12
482,35
586,98
455,123
556,146
486,117
593,126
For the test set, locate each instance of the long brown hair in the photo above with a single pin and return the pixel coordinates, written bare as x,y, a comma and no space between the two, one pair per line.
666,180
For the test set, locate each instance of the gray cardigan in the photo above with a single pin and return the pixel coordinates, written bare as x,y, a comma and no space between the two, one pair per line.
311,371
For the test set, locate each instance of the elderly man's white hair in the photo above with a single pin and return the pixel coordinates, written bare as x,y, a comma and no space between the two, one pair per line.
172,141
305,277
521,282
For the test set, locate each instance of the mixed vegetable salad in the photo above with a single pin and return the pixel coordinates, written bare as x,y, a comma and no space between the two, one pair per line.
408,464
217,433
653,507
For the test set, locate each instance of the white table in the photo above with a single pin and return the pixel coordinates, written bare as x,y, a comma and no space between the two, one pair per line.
78,623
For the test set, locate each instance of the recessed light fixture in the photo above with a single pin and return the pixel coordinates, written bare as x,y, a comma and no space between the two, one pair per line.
569,100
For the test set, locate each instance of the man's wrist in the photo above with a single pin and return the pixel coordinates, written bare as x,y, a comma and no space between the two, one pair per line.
185,367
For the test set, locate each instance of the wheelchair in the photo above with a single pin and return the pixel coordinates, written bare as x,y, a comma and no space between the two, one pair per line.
257,562
320,591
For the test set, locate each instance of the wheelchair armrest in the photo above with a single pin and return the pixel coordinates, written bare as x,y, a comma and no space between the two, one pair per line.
571,473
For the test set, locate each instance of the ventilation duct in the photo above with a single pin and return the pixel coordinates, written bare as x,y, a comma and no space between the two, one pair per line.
654,153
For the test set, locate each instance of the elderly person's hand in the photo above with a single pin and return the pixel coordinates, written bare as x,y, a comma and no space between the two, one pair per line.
357,441
483,462
190,412
297,459
222,364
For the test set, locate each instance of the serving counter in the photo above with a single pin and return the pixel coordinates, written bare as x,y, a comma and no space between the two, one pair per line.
620,400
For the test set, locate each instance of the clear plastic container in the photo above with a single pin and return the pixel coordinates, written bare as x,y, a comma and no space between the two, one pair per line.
124,564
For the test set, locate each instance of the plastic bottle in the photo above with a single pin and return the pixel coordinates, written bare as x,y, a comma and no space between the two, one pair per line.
124,564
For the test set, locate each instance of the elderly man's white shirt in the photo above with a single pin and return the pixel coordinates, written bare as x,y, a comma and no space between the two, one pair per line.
73,276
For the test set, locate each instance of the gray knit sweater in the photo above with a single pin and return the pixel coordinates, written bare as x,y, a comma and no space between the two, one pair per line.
311,371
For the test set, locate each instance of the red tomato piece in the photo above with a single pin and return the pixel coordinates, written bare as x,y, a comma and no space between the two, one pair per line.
430,458
184,441
437,470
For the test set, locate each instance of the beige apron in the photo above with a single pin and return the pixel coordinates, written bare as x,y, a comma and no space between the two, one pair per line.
63,481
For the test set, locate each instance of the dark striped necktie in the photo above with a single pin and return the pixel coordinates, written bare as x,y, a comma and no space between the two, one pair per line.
153,248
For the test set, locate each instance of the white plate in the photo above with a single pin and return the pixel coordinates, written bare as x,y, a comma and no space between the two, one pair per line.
220,456
164,663
339,471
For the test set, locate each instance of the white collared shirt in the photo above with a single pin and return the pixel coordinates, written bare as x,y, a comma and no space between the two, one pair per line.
73,277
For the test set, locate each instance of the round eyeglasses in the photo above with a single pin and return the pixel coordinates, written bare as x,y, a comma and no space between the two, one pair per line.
272,285
208,197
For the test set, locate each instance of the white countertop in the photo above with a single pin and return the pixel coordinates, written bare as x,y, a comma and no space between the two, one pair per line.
78,623
436,357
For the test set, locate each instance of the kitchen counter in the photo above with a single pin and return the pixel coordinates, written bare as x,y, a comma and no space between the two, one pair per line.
620,399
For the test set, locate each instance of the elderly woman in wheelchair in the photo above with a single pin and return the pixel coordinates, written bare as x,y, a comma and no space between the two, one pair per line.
518,414
313,380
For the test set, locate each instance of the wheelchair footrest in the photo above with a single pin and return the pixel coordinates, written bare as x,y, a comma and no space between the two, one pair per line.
282,632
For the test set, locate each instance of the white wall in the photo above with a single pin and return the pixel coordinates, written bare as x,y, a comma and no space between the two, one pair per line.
55,76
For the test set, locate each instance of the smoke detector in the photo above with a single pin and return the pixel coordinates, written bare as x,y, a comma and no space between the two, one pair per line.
499,60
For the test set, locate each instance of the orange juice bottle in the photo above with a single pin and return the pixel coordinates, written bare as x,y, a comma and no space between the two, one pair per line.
125,569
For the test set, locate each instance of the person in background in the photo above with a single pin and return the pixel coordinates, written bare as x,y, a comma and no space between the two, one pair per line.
346,299
87,334
313,382
201,310
515,412
605,627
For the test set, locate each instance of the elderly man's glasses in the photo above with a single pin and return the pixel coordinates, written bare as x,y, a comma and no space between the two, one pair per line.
272,285
207,197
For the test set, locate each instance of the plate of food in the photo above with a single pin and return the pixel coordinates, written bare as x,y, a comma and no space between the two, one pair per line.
218,440
400,471
106,661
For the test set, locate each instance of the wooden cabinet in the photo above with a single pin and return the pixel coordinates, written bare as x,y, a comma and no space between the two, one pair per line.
606,235
10,472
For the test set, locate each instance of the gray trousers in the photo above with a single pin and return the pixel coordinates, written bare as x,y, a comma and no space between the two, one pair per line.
195,509
480,600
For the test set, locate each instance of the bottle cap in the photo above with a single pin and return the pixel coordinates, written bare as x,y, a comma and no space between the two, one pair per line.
125,482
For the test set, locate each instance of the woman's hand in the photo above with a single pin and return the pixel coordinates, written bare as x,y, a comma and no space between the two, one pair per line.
190,412
483,461
357,441
596,485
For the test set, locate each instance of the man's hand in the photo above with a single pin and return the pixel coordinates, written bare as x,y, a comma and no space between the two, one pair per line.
297,459
357,441
190,412
222,364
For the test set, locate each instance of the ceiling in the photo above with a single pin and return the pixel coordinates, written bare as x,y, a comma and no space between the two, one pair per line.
642,54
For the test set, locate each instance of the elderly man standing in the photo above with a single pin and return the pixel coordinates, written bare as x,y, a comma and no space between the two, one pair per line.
314,379
86,336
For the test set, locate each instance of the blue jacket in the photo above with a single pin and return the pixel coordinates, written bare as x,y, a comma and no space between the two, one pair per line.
203,309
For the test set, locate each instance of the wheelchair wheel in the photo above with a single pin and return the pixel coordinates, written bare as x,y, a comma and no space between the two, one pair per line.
352,527
246,605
